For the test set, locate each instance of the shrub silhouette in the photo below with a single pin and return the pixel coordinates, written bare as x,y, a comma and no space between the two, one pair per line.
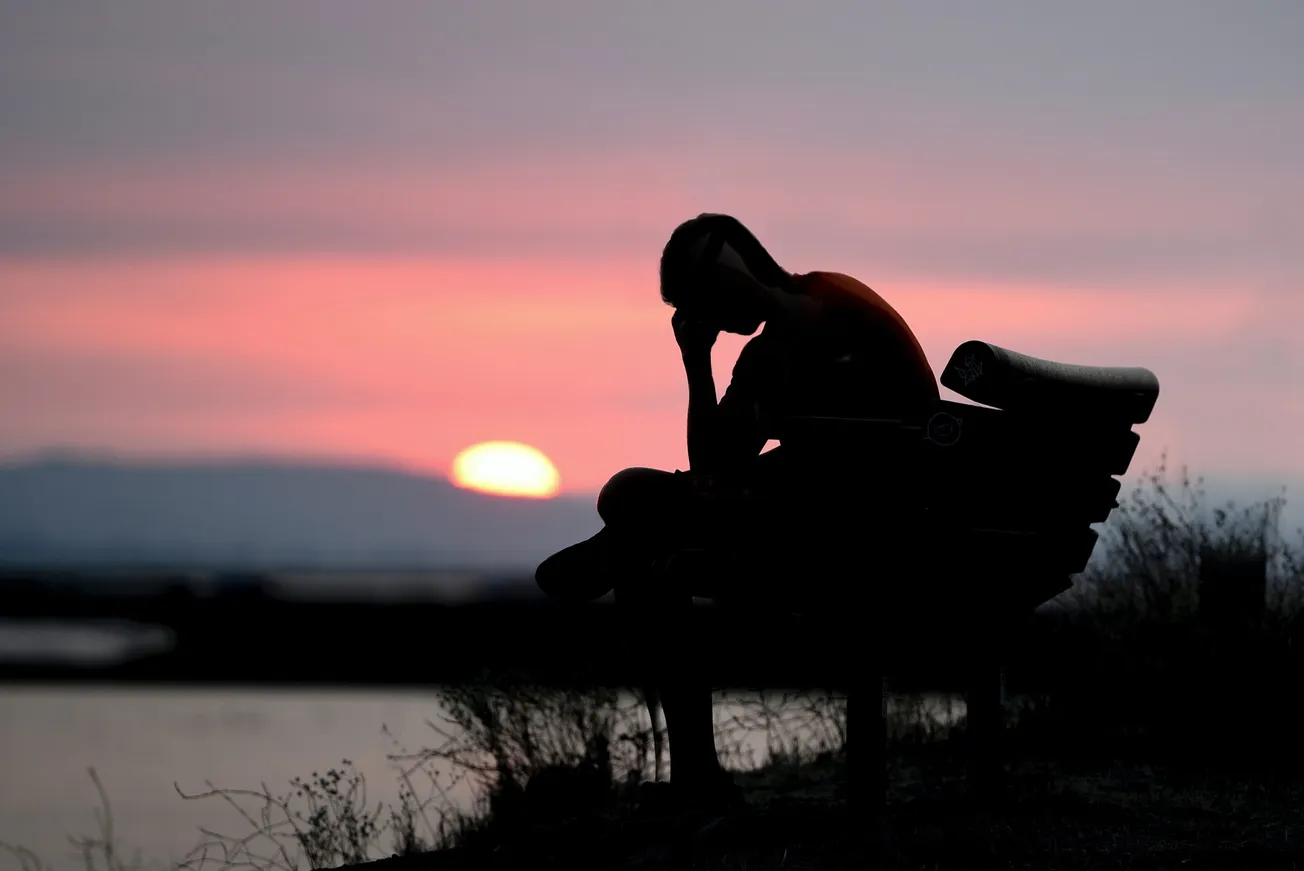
1132,669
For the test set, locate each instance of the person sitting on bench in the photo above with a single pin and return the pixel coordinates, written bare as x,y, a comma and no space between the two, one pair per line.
830,346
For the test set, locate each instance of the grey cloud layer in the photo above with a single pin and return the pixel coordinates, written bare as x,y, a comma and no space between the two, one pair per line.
1023,92
84,80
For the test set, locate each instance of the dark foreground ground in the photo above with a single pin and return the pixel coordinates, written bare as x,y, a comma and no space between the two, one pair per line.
1057,815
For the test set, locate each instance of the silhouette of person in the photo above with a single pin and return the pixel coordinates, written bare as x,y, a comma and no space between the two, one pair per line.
830,346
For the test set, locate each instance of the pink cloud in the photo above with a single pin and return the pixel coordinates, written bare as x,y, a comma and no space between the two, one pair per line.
427,356
616,201
526,306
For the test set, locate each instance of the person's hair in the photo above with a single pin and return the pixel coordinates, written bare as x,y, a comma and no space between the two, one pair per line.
678,266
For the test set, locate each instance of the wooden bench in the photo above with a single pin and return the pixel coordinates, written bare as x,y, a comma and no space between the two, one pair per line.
959,522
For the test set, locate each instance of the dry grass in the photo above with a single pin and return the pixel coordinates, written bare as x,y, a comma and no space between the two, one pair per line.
1127,760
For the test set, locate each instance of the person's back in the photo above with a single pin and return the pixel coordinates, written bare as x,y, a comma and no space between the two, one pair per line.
855,356
878,365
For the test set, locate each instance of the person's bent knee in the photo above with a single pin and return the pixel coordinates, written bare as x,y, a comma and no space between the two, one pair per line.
630,493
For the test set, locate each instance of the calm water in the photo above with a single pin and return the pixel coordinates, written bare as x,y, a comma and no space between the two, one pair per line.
142,742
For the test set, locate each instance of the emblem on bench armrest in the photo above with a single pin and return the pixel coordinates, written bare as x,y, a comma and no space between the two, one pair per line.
943,429
970,370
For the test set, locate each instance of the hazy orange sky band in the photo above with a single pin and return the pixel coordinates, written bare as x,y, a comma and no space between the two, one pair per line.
411,360
315,230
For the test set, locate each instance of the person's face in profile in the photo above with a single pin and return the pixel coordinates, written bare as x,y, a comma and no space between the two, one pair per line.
726,295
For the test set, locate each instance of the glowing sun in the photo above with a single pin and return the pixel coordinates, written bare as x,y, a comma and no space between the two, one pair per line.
506,469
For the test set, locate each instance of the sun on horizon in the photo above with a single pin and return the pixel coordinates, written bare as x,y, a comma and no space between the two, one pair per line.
504,468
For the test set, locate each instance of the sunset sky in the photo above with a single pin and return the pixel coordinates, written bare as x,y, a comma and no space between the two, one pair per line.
390,230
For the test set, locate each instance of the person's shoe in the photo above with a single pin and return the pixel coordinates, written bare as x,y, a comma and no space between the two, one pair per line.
716,795
578,573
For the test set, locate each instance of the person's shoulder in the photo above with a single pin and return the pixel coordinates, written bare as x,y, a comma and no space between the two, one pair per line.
838,285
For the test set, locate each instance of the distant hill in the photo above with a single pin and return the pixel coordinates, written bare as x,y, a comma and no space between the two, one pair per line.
279,515
255,514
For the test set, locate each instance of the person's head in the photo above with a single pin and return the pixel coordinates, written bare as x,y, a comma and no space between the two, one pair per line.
714,269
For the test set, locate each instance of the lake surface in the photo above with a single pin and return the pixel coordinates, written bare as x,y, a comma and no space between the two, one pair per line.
141,742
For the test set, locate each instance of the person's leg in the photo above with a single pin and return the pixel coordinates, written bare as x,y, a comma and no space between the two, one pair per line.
651,514
644,503
634,499
654,611
577,573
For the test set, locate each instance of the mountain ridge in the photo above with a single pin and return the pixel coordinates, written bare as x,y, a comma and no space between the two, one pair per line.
60,508
260,512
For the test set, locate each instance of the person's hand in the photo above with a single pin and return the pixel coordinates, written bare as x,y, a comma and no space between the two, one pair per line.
695,337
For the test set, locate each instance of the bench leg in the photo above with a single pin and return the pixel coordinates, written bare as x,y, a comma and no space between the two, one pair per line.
867,752
985,732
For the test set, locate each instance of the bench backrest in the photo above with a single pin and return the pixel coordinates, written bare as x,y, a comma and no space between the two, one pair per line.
1013,488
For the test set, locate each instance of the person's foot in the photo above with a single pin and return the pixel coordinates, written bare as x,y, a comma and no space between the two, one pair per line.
578,573
714,794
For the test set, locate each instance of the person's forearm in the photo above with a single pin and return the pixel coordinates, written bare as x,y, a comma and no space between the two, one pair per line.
701,414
